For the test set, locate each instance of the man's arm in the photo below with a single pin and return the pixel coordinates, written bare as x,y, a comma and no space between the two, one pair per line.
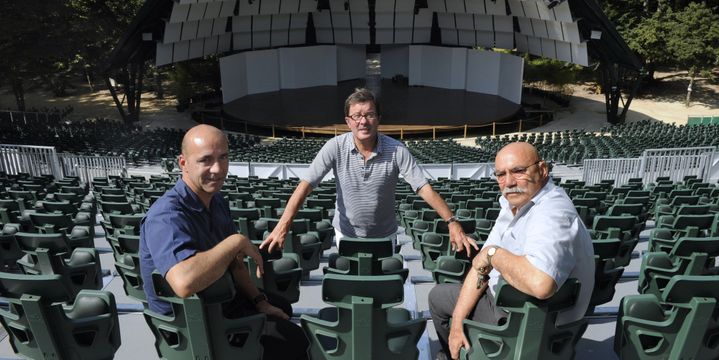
243,281
456,234
276,239
466,301
518,272
204,268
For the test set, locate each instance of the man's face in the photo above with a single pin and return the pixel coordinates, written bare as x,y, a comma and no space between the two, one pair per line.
363,120
520,176
204,164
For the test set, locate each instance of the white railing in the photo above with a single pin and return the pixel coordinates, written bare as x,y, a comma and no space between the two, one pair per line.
675,163
620,170
34,160
89,167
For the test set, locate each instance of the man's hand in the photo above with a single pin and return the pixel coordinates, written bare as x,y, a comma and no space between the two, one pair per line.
267,308
480,263
249,249
459,240
457,340
276,239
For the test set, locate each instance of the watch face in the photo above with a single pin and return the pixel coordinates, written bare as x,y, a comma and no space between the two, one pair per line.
491,251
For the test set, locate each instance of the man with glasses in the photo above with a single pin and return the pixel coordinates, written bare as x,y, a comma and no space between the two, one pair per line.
366,167
537,243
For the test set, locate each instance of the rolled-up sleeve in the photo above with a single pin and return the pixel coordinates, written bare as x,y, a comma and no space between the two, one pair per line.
168,239
549,244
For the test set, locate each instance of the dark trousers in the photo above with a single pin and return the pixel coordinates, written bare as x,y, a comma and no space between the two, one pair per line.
442,299
281,339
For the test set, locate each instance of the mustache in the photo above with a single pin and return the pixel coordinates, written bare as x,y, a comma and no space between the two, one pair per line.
513,190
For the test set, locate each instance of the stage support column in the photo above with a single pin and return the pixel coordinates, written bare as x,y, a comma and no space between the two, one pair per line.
465,131
541,116
434,133
303,132
335,131
273,131
401,133
494,128
520,125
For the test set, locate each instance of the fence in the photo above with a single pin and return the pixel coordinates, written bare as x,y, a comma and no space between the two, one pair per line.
675,163
89,167
34,160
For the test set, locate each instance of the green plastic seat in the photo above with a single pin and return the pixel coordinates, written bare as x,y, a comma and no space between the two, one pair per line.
47,254
606,272
366,256
197,328
670,228
363,323
282,274
617,227
41,326
682,324
318,223
689,256
530,330
80,233
127,264
299,240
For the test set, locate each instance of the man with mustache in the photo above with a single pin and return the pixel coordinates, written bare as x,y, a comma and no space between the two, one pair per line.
537,243
189,237
366,167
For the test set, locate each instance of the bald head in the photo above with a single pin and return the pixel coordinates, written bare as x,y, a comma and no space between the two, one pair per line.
204,161
520,150
200,135
520,173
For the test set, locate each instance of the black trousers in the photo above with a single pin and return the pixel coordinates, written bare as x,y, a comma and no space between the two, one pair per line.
281,339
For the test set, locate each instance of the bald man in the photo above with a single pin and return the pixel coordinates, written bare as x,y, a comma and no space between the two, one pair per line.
189,237
536,244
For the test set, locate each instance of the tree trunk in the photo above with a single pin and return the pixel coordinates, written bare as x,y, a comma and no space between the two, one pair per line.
19,91
159,91
689,90
89,80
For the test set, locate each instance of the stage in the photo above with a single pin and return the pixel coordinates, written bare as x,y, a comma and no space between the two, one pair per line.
405,109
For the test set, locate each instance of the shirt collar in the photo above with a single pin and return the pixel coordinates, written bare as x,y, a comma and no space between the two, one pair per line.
189,198
377,149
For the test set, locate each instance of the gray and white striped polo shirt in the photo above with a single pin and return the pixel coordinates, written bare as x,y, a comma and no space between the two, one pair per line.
365,192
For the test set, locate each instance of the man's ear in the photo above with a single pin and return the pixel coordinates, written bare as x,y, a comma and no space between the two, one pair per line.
181,161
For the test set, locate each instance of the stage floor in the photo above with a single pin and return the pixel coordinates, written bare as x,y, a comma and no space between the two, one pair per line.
415,106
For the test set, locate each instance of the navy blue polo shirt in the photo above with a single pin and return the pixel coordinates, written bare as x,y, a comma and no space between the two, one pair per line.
176,227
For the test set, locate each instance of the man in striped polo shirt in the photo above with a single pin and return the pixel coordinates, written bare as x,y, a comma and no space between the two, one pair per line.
366,166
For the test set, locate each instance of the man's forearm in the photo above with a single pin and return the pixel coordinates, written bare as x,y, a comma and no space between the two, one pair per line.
522,275
435,201
295,202
467,300
202,269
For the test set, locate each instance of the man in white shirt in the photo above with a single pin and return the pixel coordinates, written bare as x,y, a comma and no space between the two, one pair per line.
536,244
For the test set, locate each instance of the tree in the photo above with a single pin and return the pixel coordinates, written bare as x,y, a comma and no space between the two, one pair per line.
693,41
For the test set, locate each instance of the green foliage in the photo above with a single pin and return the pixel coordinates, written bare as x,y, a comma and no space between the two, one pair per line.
50,41
678,34
693,38
550,71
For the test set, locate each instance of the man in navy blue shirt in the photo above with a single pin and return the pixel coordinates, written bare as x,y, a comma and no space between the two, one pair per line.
188,236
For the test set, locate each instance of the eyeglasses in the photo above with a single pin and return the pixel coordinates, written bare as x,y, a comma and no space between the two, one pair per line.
516,172
370,116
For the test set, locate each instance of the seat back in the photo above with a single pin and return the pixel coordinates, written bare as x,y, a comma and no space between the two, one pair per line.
198,329
127,224
682,288
379,247
39,327
385,290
